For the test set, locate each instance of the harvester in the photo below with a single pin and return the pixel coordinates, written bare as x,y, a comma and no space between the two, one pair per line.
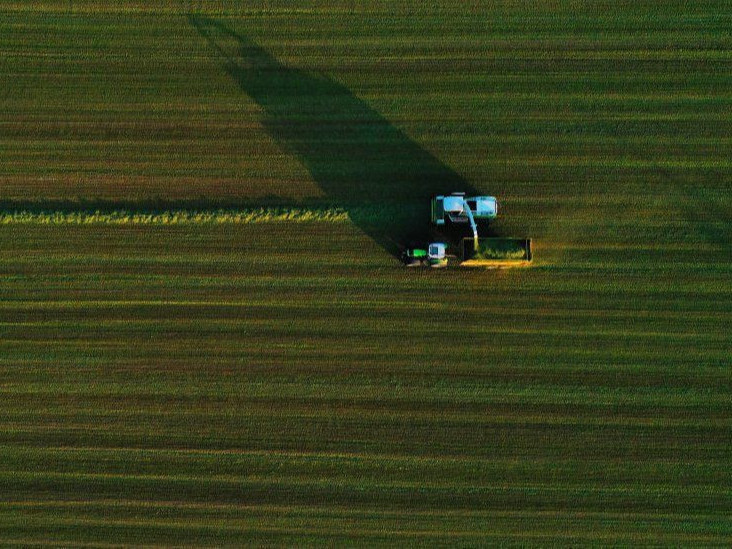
458,209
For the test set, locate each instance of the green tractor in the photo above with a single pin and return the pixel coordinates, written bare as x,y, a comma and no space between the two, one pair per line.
433,255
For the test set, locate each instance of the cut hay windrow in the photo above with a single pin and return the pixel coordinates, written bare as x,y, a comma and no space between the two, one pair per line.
369,214
178,217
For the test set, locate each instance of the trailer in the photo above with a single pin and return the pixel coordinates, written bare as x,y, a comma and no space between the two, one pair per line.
496,252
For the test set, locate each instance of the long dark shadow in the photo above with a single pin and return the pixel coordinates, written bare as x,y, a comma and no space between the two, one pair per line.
352,152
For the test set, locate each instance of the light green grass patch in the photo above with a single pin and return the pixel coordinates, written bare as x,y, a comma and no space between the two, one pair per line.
178,217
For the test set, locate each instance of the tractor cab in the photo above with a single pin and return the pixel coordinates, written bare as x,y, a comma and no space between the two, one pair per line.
436,254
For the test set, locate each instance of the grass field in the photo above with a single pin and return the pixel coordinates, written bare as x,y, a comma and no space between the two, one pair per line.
278,377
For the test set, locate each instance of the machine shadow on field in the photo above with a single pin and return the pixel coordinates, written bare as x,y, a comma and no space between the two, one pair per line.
352,152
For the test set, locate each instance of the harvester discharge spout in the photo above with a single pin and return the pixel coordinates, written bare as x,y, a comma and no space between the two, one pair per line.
473,225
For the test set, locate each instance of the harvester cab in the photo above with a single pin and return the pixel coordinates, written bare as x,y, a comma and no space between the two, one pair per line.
483,207
458,209
433,255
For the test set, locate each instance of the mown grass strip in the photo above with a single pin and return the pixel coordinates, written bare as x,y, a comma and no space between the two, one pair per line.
151,214
179,217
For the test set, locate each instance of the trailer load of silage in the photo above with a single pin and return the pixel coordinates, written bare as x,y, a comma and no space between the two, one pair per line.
496,251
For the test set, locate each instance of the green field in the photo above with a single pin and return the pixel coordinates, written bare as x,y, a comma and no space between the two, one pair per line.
261,369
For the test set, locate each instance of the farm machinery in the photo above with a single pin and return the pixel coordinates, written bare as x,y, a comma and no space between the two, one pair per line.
454,210
433,255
